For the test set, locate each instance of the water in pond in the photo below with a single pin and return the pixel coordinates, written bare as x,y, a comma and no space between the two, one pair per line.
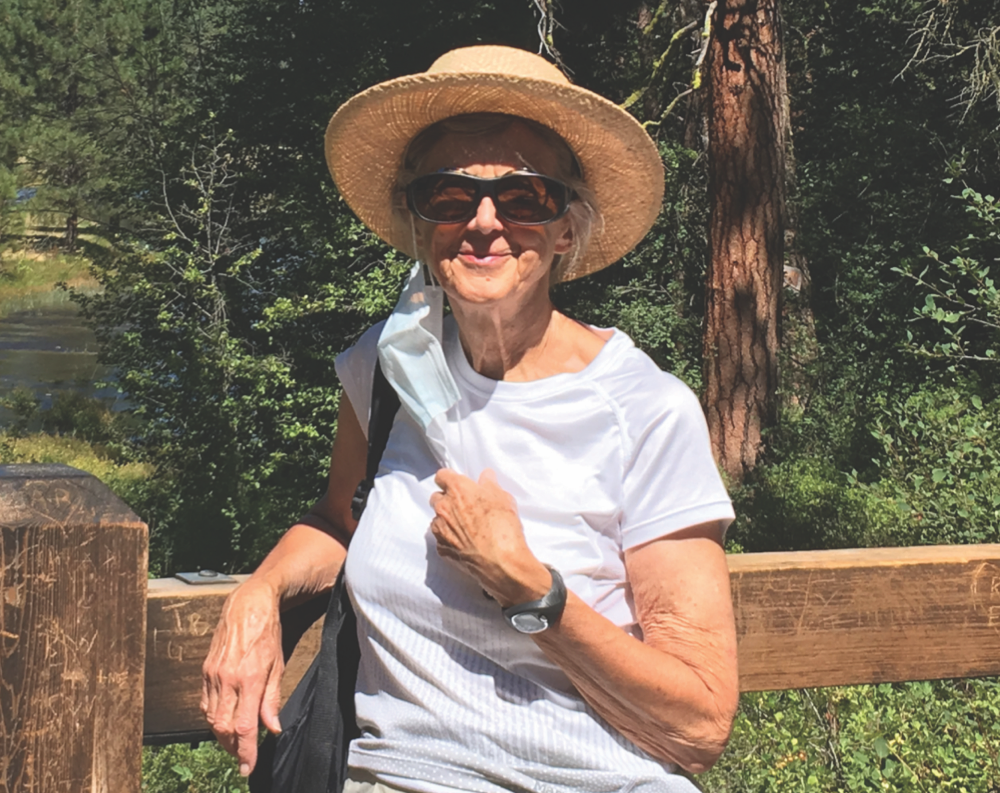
46,348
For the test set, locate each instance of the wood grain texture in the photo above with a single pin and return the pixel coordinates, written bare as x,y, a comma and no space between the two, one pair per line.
823,618
72,634
804,619
181,619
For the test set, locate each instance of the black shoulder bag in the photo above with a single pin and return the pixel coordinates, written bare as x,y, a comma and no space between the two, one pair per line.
317,721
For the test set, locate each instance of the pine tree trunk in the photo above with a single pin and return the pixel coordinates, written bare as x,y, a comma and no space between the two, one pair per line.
746,245
72,230
799,346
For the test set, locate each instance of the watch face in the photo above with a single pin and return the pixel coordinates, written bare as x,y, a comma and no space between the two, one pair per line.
527,622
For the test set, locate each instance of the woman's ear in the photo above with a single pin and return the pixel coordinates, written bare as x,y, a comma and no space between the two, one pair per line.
564,242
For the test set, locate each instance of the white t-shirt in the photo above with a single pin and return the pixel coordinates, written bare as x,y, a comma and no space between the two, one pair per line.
451,697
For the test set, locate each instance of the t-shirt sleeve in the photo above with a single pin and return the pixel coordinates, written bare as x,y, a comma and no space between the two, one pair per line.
671,481
355,369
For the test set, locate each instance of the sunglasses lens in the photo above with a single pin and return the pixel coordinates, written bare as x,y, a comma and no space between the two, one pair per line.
520,198
444,198
530,199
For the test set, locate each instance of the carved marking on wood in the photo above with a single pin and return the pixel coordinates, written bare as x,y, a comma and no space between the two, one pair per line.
985,590
72,634
175,652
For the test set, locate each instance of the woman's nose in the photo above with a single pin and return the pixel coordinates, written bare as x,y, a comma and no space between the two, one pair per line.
486,219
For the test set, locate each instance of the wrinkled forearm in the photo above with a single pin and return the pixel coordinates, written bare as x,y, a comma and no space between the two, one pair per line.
674,694
672,710
304,563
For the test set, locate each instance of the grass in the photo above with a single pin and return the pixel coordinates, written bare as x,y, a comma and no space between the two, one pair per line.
30,270
27,275
93,458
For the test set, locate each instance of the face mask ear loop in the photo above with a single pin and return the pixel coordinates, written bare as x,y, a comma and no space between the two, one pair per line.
450,461
428,272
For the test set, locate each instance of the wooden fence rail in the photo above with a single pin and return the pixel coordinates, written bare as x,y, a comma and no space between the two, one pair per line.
77,677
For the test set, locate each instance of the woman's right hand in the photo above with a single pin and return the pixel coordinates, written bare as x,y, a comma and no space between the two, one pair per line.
242,673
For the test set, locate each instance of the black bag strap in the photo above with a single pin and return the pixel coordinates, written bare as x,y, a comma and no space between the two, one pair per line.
324,699
322,761
332,722
385,404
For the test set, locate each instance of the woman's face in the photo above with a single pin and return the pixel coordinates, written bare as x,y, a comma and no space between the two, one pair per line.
487,259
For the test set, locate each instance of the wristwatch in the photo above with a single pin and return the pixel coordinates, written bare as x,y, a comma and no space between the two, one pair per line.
537,615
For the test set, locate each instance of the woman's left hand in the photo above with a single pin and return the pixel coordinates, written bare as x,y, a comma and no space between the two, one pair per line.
476,525
675,692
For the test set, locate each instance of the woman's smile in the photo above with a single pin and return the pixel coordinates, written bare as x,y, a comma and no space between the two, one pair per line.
483,260
487,253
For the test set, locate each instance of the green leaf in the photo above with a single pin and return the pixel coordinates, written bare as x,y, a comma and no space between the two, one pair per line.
881,748
185,773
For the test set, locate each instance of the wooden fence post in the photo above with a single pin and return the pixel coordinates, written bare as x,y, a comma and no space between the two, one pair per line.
73,569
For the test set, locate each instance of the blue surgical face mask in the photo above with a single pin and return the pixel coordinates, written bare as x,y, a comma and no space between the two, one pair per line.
411,354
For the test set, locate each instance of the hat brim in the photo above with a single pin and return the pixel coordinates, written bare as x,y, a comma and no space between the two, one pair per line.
367,138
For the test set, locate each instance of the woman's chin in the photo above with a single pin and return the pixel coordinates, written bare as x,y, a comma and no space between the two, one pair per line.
492,290
488,279
478,282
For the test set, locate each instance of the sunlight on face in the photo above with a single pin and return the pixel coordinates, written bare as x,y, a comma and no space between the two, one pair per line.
487,259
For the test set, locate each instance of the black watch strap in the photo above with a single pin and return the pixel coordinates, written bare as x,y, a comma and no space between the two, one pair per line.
537,615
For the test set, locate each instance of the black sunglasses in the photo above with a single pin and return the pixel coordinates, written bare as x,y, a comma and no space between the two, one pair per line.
522,197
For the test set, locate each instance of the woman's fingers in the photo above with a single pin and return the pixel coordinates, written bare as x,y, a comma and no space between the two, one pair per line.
446,477
221,715
218,699
456,490
491,485
209,691
271,703
442,533
245,728
242,673
244,697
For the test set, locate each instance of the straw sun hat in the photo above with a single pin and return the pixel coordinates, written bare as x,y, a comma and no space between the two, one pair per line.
368,136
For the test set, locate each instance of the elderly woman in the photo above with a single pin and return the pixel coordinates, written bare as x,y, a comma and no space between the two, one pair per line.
539,461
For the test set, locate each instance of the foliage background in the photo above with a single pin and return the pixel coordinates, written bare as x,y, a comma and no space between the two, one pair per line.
188,135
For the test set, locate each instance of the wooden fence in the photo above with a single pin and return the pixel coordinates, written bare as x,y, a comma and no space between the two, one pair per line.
94,658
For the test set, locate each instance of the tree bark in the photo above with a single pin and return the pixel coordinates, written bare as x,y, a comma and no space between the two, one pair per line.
799,346
746,247
72,230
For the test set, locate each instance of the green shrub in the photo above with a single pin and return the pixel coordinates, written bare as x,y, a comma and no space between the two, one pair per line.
934,478
920,737
961,297
22,404
44,448
75,414
806,503
181,768
138,484
940,463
